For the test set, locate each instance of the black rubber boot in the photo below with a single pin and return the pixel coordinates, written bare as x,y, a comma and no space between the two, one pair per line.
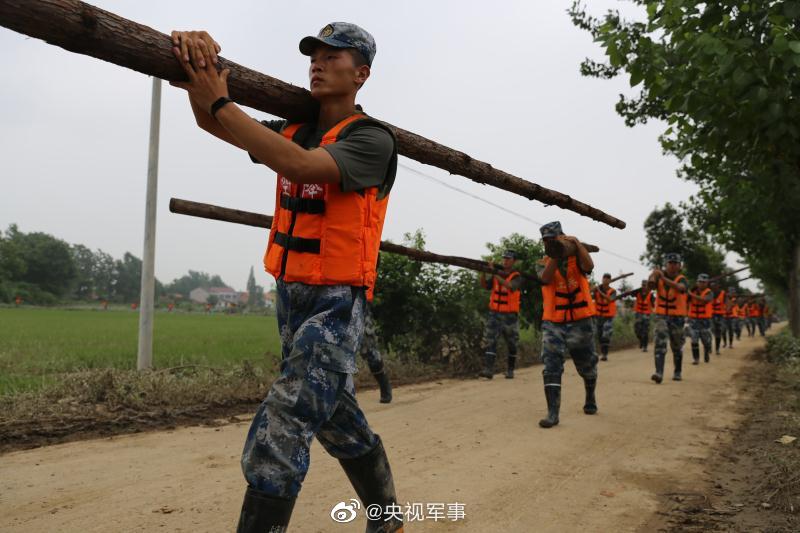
658,375
604,352
677,359
552,393
695,355
707,353
262,512
385,385
488,366
372,480
644,343
590,405
512,363
717,341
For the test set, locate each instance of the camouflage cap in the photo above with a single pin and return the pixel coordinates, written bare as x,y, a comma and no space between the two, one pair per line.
551,229
607,275
702,277
672,257
510,254
341,35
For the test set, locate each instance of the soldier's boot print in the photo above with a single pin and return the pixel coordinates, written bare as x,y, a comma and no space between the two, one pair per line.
372,480
695,354
512,362
604,352
263,512
590,405
488,365
677,359
385,385
552,393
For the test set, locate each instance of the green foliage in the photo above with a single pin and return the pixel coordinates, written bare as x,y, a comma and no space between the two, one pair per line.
783,347
667,231
255,292
725,76
188,282
29,260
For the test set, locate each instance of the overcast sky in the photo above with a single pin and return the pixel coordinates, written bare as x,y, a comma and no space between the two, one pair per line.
499,81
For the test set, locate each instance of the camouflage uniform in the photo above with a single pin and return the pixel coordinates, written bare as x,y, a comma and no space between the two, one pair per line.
669,328
314,394
605,328
700,330
719,331
730,329
573,338
641,328
369,344
737,327
505,325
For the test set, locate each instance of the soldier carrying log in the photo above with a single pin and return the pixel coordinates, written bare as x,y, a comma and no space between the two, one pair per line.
504,305
605,303
671,287
334,178
567,325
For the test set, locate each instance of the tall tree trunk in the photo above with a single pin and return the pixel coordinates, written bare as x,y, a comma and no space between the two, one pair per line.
794,291
86,29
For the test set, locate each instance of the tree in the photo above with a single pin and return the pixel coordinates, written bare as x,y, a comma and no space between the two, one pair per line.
724,75
667,231
85,265
255,292
194,279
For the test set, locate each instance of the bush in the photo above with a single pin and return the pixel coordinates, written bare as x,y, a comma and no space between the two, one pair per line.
783,347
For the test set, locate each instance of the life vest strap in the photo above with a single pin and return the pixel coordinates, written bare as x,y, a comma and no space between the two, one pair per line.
303,205
297,244
570,306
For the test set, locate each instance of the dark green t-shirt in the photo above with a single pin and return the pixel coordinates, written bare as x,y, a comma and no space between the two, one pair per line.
363,157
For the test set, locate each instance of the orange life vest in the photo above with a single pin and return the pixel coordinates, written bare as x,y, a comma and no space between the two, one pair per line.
699,309
321,235
744,311
643,303
504,300
756,310
567,299
719,304
605,308
733,312
669,301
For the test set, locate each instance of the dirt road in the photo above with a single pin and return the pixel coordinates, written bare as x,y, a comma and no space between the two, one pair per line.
469,442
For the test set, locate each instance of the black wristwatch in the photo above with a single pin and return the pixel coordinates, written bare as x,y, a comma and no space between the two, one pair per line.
218,104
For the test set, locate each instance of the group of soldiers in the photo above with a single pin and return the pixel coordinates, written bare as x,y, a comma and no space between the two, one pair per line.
578,319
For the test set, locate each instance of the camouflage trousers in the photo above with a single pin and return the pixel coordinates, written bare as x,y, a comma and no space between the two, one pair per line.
314,395
730,329
761,322
751,326
368,349
669,328
505,325
605,328
737,327
700,330
719,327
573,338
641,327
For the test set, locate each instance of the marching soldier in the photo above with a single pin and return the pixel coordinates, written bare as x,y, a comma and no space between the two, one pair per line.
731,311
671,288
751,317
334,178
759,316
700,312
567,325
741,316
504,304
643,308
605,303
718,315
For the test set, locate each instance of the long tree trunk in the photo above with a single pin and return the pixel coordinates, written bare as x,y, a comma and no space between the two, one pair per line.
86,29
794,291
247,218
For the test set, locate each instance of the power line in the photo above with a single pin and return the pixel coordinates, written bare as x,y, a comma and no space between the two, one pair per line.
498,206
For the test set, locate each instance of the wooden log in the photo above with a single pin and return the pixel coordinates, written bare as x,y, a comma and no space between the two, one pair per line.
621,276
86,29
725,275
248,218
560,248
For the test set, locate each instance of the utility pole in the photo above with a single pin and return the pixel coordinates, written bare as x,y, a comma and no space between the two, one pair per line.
147,304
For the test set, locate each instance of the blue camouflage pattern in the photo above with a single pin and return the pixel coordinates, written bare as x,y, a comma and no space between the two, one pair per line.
342,35
719,327
505,325
314,395
700,330
551,229
368,349
605,329
641,327
668,329
573,338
